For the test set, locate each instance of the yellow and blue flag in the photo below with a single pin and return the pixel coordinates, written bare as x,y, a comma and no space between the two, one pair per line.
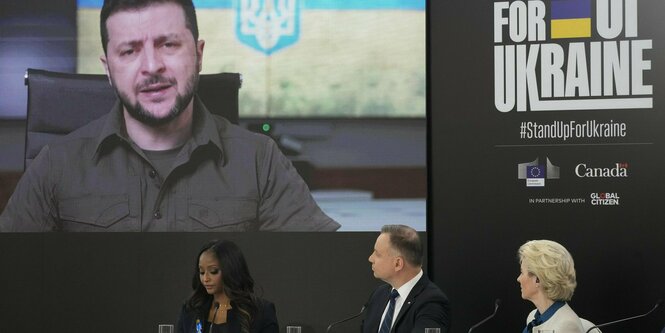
570,19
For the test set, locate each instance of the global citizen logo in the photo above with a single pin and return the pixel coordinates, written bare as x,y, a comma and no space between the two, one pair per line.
620,170
605,199
536,173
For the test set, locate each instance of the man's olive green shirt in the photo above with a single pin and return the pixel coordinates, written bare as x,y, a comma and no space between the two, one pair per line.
225,178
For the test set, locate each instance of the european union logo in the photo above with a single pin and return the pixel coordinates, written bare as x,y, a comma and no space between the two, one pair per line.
268,25
570,19
535,171
535,176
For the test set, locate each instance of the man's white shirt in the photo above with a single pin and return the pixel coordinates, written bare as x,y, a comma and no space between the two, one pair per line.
403,291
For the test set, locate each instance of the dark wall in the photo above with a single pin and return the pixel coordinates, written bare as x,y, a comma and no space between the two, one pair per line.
133,282
35,34
480,213
64,8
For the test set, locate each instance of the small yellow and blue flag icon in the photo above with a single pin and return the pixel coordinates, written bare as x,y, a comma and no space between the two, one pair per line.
570,19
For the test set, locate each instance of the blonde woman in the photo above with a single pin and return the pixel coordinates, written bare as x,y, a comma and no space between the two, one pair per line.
547,279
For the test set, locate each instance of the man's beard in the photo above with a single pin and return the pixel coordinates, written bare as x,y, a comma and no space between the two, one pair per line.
138,112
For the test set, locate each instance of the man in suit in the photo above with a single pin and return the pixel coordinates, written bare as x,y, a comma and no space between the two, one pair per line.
409,302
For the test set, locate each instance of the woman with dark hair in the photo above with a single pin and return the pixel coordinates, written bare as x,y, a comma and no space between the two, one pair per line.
223,300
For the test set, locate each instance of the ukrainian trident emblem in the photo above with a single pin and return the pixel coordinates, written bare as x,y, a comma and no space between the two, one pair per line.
268,25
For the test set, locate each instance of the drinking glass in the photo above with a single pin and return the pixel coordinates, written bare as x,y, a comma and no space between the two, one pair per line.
293,329
165,328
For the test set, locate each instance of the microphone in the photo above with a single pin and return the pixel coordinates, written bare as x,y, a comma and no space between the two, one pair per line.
346,319
213,317
660,301
497,302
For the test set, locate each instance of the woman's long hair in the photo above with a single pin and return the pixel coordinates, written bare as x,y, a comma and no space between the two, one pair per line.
238,283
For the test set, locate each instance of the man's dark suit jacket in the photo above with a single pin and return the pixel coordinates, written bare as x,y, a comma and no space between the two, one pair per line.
425,306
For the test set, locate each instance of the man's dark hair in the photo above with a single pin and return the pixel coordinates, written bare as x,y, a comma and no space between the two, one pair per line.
113,6
406,241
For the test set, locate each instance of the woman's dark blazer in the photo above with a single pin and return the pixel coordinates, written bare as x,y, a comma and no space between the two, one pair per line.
265,320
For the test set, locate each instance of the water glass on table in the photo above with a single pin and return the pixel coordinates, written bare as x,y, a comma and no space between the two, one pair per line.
293,329
165,328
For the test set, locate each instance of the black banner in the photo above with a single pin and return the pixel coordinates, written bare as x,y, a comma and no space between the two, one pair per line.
546,123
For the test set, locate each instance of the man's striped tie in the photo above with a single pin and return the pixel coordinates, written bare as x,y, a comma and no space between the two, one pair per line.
388,319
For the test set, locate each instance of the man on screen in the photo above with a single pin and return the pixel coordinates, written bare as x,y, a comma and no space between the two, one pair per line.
409,302
160,161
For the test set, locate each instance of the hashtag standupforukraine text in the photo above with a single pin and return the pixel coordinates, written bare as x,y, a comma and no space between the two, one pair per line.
571,129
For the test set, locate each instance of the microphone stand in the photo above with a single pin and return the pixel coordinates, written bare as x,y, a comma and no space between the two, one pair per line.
660,301
346,319
497,302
